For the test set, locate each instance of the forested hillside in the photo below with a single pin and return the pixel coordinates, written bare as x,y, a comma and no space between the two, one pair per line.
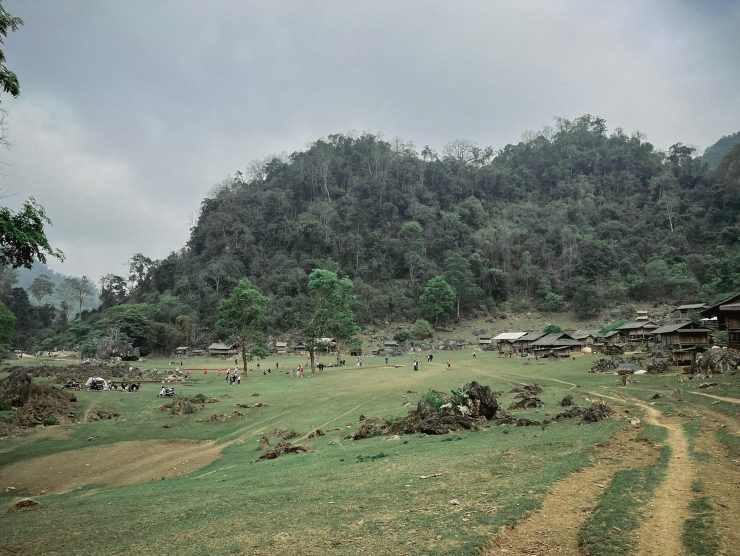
574,217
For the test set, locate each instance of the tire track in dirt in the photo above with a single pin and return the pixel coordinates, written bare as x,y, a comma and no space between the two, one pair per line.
553,529
722,484
661,531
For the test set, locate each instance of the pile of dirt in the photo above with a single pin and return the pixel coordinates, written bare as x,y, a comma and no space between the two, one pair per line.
595,413
655,366
532,390
102,415
524,422
33,402
370,427
659,351
265,440
718,361
7,430
25,505
186,406
202,398
223,417
291,435
504,417
566,401
254,405
315,434
570,413
527,402
281,449
607,365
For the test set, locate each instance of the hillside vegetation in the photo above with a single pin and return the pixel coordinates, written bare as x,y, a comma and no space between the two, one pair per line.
571,217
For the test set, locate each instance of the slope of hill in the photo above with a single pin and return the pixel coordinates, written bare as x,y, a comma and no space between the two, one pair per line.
714,154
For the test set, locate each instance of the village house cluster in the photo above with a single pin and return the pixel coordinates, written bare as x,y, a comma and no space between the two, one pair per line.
691,332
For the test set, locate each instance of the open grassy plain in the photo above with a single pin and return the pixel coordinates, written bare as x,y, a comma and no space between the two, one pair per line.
155,483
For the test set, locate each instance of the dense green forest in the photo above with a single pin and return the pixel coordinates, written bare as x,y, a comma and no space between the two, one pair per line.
572,217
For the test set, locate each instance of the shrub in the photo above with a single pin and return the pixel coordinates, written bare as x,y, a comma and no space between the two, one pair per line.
520,305
433,400
402,336
422,329
199,398
50,420
5,418
4,405
553,329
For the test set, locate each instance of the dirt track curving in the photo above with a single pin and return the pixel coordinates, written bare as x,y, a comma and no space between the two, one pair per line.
554,528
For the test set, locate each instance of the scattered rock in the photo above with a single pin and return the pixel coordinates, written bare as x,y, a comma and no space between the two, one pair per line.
657,395
292,434
315,434
528,402
707,385
454,502
570,413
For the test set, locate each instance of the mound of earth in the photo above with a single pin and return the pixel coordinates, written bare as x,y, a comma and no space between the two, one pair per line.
25,506
33,402
570,413
102,415
718,361
527,402
281,449
607,365
7,430
566,401
596,412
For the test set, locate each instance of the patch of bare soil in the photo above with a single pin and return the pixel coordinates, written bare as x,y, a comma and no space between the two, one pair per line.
722,484
661,531
124,463
553,529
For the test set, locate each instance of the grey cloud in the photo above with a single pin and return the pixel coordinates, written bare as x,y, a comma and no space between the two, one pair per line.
147,104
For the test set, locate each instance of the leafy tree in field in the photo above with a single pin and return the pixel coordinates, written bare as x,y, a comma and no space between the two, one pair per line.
422,329
331,317
460,277
129,323
41,287
243,317
7,325
553,329
438,298
83,289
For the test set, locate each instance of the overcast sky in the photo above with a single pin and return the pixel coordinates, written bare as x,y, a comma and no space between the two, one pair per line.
130,111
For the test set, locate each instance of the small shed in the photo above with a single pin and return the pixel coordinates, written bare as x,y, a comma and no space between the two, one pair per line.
328,345
181,350
391,344
683,357
281,347
197,352
683,312
299,347
559,343
355,352
217,349
484,340
615,337
642,316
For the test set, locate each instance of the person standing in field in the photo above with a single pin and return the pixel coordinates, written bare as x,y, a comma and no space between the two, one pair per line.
473,355
449,364
239,380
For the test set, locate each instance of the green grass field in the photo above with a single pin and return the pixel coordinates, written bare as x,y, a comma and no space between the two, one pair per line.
341,498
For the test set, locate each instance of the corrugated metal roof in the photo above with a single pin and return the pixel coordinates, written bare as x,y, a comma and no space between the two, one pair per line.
690,306
610,334
730,307
510,335
549,339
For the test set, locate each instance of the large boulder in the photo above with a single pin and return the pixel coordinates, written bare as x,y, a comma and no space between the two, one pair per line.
481,401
